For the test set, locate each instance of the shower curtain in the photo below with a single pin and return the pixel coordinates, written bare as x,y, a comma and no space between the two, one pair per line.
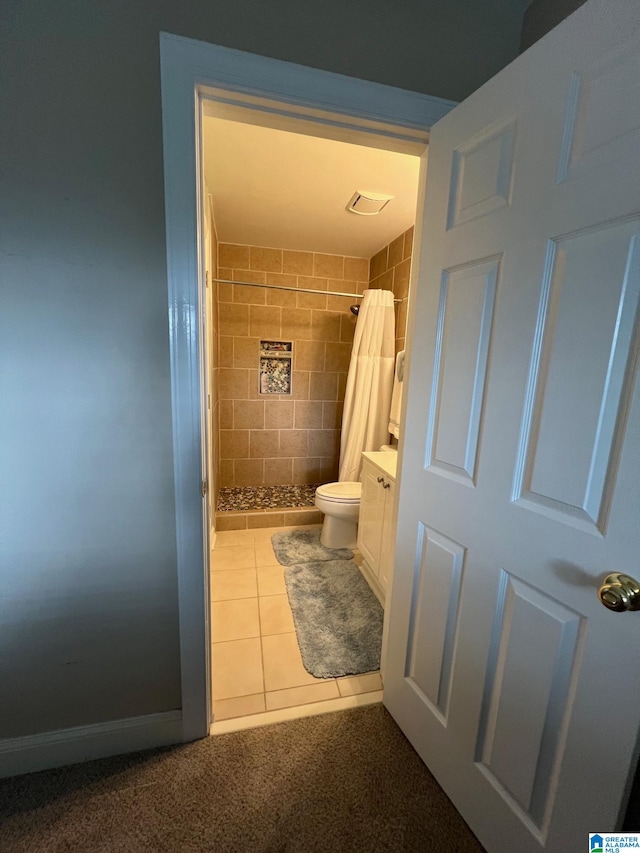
367,399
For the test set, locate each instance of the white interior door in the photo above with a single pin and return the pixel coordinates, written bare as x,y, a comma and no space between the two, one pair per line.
520,468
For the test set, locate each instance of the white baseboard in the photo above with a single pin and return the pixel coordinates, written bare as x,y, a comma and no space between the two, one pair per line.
83,743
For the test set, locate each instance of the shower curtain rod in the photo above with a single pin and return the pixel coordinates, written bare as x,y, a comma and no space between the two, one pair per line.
293,289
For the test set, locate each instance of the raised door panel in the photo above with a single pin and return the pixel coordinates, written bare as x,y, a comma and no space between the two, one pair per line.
578,385
465,317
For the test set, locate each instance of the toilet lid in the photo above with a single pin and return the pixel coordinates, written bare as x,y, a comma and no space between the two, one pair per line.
346,492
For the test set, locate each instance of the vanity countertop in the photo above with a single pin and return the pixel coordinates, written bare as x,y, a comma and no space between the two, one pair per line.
385,460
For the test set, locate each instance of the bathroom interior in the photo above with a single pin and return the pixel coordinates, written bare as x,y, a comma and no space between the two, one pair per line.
279,346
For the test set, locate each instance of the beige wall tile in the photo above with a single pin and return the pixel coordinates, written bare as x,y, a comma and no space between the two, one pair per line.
254,276
300,385
266,519
401,275
323,442
264,443
325,326
396,251
342,386
340,303
293,442
265,322
295,696
278,472
226,479
268,260
283,298
233,256
312,300
226,414
234,319
332,415
234,443
225,351
408,243
378,263
249,295
308,355
234,620
254,385
337,356
296,325
306,517
401,321
248,414
323,386
308,414
331,266
230,521
248,472
307,470
298,263
233,383
241,706
329,470
225,291
356,268
347,327
383,282
278,414
237,668
246,352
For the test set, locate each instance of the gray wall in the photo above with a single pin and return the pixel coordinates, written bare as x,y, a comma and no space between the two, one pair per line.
544,15
88,598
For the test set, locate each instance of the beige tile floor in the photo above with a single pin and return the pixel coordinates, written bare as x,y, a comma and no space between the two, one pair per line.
256,661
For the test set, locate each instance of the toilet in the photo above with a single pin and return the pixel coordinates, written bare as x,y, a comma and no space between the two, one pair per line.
340,503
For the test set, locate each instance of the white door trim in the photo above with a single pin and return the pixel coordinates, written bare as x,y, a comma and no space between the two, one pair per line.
188,68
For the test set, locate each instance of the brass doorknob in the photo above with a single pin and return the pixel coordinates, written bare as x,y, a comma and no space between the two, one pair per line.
620,593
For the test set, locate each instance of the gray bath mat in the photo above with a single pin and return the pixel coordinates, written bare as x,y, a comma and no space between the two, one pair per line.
303,546
338,619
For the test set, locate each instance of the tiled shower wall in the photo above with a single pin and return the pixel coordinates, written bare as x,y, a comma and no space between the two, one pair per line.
283,439
389,270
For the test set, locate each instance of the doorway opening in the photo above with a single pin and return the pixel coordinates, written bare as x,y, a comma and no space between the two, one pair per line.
281,250
191,73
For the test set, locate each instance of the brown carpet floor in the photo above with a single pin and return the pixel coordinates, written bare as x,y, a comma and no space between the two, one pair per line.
346,781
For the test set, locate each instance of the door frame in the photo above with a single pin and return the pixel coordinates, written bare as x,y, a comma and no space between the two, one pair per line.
191,73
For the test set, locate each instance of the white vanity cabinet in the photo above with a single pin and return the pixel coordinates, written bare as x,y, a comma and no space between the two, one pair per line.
376,527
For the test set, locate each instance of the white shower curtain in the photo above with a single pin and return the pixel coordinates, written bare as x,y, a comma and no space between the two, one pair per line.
367,399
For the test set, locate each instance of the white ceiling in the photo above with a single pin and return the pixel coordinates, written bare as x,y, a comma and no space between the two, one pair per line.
286,190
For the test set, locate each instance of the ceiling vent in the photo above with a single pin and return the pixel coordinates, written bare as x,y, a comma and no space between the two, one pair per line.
367,203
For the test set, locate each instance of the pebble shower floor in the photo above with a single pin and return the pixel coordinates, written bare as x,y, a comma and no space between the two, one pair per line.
265,497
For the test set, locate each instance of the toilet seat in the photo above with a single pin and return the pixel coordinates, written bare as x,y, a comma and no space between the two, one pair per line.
343,493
